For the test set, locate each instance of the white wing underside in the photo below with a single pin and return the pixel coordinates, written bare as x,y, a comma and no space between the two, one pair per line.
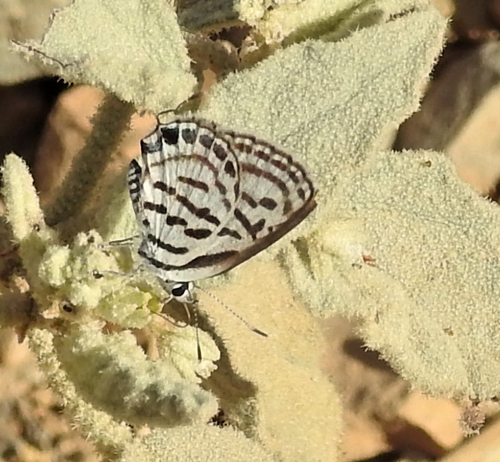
208,199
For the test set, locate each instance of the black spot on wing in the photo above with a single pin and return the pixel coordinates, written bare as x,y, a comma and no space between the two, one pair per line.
229,169
254,229
259,226
249,199
173,220
222,189
220,152
188,135
206,141
170,134
164,187
287,207
166,246
241,217
134,189
200,233
230,232
158,208
268,203
203,213
134,169
226,204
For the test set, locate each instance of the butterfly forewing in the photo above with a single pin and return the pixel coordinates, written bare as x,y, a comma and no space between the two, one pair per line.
208,199
185,197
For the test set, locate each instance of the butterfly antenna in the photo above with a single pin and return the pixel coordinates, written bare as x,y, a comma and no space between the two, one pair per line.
180,107
171,321
236,315
188,314
198,347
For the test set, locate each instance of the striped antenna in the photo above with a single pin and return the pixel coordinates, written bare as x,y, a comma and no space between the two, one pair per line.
198,347
236,315
182,107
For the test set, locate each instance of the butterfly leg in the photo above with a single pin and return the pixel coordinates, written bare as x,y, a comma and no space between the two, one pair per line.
125,242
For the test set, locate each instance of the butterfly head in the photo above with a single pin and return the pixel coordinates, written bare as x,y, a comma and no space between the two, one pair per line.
181,291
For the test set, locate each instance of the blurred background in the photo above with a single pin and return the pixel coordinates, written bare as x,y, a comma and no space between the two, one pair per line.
46,121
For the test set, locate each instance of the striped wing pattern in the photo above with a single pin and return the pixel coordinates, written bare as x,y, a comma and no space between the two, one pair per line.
208,198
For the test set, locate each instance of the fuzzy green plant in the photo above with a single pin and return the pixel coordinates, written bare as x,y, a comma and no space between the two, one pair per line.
397,239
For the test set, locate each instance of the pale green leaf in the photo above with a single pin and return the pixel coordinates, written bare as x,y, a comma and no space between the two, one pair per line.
21,199
130,387
329,103
329,19
411,249
132,48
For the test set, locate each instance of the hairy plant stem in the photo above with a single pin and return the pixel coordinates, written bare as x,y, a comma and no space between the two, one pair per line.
109,123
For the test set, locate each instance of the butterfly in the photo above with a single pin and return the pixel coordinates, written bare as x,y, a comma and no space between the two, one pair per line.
207,199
